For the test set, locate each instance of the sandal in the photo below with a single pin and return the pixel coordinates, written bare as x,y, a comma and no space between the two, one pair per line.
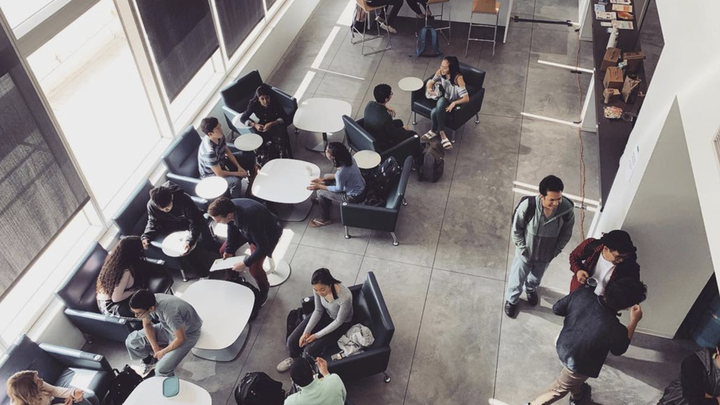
428,136
318,222
447,144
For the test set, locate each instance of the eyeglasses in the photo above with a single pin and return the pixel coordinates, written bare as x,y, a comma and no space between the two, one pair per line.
140,315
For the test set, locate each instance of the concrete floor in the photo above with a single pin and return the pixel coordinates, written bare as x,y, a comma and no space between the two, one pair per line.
444,284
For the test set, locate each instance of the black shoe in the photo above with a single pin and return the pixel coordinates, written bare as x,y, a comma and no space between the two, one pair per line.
584,397
263,297
532,297
510,309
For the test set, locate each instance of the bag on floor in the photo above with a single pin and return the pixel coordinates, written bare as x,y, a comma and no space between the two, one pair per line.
294,318
259,389
422,44
432,163
379,181
123,384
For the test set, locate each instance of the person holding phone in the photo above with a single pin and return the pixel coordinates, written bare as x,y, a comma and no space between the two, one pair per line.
27,388
272,122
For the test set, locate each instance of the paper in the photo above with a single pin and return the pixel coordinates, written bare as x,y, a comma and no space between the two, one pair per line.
606,23
623,25
599,8
620,2
632,162
224,264
624,15
605,15
620,7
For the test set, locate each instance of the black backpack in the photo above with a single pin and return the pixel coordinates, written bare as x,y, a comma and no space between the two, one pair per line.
259,389
432,162
530,210
379,181
123,384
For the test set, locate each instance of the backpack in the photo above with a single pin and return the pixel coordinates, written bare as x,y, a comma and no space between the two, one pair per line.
123,384
432,162
379,181
422,42
294,318
259,389
530,210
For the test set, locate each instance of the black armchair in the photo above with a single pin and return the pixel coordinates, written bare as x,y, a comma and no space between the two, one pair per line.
237,95
370,310
181,159
78,294
58,366
359,139
379,218
474,79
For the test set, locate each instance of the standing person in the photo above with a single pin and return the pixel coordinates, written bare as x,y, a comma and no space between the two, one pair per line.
328,390
387,21
272,120
346,185
330,320
699,380
607,259
120,277
27,388
248,221
379,122
216,159
542,226
450,93
171,328
591,330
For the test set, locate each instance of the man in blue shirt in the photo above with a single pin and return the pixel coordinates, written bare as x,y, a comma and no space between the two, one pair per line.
328,390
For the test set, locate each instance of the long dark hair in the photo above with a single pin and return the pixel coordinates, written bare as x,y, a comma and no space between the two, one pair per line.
323,276
339,154
454,68
127,255
262,90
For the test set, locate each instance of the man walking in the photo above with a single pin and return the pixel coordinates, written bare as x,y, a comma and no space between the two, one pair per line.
542,226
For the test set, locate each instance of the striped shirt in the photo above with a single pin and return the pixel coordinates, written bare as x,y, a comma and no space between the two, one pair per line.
210,155
452,91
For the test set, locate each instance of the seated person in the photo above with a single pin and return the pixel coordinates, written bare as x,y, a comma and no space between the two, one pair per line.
379,121
272,124
331,319
419,13
448,88
328,390
171,328
216,159
26,388
170,210
120,278
699,381
388,17
346,185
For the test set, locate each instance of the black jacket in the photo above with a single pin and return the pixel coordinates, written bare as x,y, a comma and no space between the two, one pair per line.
183,215
589,332
273,112
380,124
253,224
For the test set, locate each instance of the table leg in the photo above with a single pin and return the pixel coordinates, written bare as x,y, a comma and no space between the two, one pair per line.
326,137
293,212
277,272
227,354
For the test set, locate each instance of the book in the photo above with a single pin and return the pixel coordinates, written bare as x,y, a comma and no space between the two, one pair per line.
621,7
606,23
623,25
605,15
224,264
628,2
624,15
599,8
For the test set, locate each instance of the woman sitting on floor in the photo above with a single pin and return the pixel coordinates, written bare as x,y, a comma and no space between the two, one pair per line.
448,88
346,185
26,388
120,278
272,124
331,319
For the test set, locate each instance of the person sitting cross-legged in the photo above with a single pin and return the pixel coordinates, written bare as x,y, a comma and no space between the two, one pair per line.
328,390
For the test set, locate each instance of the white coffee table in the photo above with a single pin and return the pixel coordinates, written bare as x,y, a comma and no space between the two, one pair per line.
211,187
410,84
150,392
367,159
174,244
285,181
248,142
322,115
225,309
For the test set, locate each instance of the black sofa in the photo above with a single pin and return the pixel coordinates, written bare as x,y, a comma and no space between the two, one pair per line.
359,139
181,159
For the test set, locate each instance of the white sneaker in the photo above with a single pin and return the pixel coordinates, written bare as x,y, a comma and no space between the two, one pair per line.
388,28
285,365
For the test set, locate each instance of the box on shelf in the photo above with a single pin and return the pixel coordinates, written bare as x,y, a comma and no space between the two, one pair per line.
633,60
613,78
612,55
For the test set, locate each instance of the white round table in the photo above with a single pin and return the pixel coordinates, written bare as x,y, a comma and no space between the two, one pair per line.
410,84
285,181
211,187
367,159
174,244
150,392
225,309
248,142
322,115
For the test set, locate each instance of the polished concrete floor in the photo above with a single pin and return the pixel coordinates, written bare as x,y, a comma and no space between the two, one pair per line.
444,283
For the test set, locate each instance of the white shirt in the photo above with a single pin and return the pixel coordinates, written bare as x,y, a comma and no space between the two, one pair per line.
603,271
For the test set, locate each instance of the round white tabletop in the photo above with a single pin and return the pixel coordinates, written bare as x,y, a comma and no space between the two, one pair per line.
248,142
285,181
174,244
321,115
150,392
367,159
211,187
410,84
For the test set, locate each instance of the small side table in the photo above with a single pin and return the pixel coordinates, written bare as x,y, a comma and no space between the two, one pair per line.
367,159
173,244
410,84
248,142
211,187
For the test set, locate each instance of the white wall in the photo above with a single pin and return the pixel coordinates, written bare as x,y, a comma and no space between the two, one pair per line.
689,70
461,12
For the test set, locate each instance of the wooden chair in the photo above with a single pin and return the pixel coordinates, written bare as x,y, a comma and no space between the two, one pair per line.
484,7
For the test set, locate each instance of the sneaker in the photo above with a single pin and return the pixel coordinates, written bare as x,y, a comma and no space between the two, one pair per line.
388,28
285,365
532,297
510,309
584,398
148,366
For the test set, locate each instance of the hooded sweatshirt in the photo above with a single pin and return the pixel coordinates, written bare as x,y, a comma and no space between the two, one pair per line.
542,238
183,215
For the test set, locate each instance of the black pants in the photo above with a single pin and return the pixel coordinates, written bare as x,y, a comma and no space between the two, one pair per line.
396,6
247,161
316,348
415,5
278,140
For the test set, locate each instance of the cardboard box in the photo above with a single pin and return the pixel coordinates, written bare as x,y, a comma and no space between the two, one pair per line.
611,58
633,59
613,78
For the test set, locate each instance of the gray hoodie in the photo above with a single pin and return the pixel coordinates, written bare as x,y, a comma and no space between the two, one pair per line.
543,238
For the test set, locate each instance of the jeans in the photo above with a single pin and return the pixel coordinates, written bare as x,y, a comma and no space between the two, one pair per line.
396,5
316,348
438,114
139,348
523,274
567,381
326,197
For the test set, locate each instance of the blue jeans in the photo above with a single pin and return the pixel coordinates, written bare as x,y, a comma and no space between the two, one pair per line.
438,114
524,274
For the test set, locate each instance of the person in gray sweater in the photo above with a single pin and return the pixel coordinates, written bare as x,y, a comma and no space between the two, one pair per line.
542,226
331,319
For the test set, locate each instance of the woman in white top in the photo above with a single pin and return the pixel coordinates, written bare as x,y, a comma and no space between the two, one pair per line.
119,278
448,88
330,320
26,388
